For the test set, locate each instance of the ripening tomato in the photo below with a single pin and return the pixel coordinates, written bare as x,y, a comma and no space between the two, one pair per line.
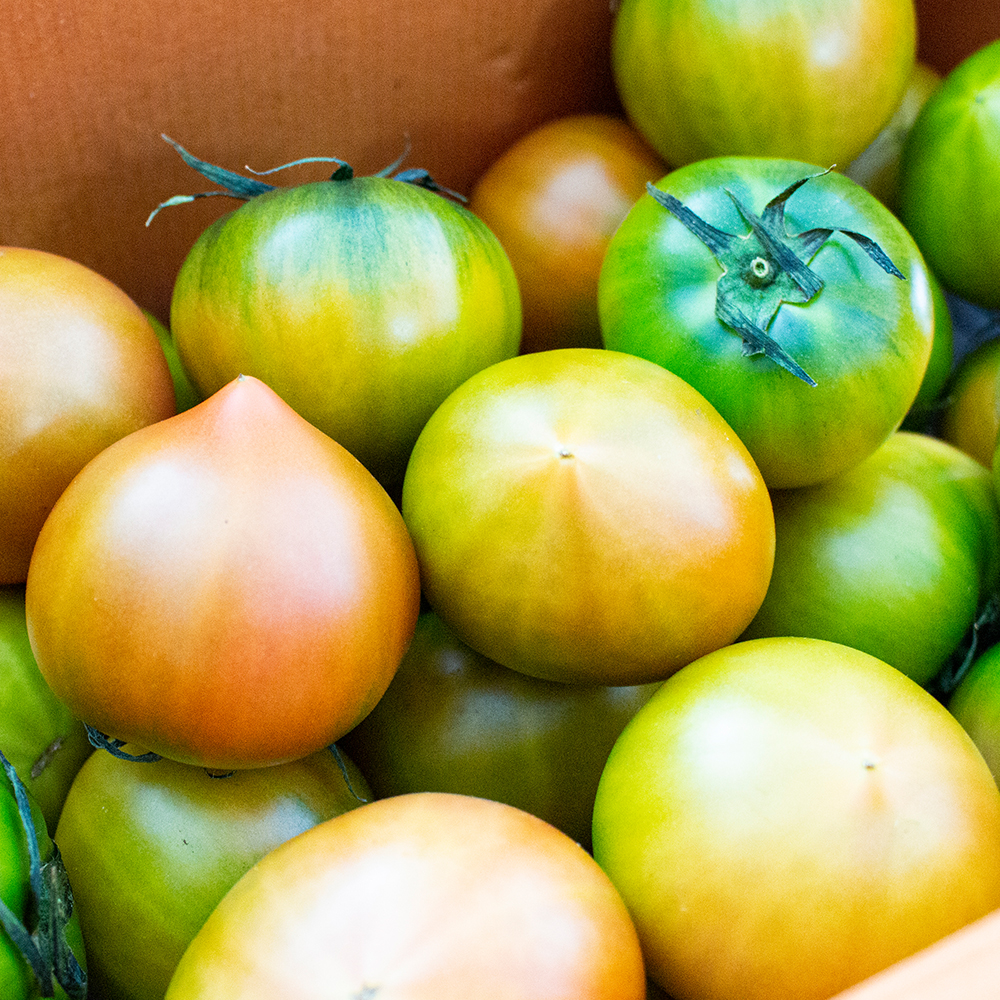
554,199
950,177
80,367
361,301
38,733
896,556
151,848
791,298
810,80
229,587
786,817
971,416
429,896
452,720
586,516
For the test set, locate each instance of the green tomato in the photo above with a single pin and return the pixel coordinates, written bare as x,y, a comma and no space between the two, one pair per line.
453,720
808,79
976,705
949,184
786,817
894,557
186,394
151,848
38,733
755,280
361,301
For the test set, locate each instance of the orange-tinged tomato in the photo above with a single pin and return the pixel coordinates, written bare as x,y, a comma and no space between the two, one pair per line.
229,587
80,367
554,199
427,896
971,416
785,817
584,515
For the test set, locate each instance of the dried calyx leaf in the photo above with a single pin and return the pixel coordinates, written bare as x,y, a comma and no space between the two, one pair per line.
765,267
239,186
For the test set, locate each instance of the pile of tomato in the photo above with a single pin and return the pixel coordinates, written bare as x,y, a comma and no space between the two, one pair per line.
586,589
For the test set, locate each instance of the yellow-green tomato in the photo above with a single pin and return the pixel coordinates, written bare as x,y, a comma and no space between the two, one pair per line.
971,416
894,557
38,733
976,705
786,817
151,848
453,720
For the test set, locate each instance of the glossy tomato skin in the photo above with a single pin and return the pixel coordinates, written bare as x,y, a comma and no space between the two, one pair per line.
80,367
151,848
785,817
585,516
896,556
38,733
802,79
865,338
970,419
452,720
420,897
228,588
362,303
554,199
976,705
950,175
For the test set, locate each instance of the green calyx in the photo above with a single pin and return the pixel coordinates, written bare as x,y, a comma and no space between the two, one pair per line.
764,268
41,939
238,186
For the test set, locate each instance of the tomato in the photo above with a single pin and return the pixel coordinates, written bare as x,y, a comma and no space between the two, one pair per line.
185,393
895,557
151,849
976,705
926,406
361,301
785,817
877,168
970,419
41,949
80,367
229,587
810,344
38,733
425,896
808,80
950,175
454,721
554,199
585,516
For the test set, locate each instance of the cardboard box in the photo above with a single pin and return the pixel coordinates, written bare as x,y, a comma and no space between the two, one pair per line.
89,87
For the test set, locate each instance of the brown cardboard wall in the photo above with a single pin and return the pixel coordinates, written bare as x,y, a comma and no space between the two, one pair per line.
88,87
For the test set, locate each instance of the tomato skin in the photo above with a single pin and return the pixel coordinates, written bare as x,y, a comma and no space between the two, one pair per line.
785,817
949,177
554,199
452,720
362,303
151,849
585,516
976,705
657,299
895,557
228,588
80,367
38,733
971,416
811,80
421,897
